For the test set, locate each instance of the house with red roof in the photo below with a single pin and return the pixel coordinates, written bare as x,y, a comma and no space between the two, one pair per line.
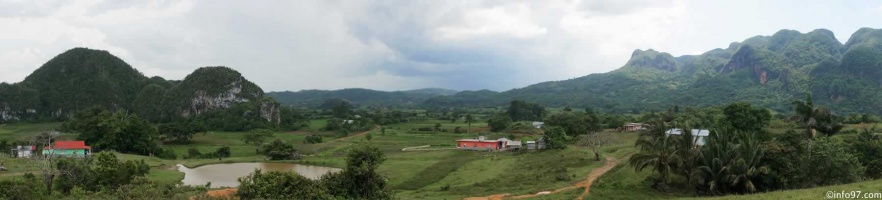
68,149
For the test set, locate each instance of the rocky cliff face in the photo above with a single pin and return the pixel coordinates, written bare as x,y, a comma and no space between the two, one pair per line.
652,59
212,88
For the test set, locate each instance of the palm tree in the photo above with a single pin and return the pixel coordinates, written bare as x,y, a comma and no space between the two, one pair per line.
816,118
688,152
657,151
828,122
806,114
747,165
730,160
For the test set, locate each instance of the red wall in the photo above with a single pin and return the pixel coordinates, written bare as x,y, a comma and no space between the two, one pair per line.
470,144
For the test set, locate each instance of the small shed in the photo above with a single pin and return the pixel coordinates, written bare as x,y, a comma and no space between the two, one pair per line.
513,145
23,151
633,127
531,145
538,124
699,136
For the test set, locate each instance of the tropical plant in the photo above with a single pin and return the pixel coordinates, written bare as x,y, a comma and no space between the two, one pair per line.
657,151
816,118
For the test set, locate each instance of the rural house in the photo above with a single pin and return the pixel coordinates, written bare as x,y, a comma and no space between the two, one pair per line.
483,143
23,151
699,136
538,124
68,149
534,145
633,127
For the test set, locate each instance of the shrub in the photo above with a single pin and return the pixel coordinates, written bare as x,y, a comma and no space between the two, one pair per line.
313,139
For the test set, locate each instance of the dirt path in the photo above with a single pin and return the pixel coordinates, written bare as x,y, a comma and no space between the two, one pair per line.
376,127
608,165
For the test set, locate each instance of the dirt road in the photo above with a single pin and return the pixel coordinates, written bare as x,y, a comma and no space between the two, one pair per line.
610,163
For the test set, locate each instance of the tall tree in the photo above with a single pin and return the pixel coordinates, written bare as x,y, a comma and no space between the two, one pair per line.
744,117
469,120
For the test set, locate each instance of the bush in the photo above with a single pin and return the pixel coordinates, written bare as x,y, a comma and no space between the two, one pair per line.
312,139
280,185
278,150
222,152
167,154
192,152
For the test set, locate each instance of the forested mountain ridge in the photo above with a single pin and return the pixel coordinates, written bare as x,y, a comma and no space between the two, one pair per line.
366,97
81,78
767,70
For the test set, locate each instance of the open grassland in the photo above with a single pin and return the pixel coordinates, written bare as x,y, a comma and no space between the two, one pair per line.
25,131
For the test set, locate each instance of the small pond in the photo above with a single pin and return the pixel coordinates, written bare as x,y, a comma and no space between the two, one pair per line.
226,175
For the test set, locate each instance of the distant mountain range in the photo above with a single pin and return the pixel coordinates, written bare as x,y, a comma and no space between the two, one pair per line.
359,96
770,71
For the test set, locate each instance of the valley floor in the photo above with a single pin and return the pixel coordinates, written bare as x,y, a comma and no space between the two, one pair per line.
445,173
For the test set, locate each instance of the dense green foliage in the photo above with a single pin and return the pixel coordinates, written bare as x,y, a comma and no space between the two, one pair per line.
359,180
118,131
576,122
738,157
499,122
278,150
180,132
25,187
104,172
525,111
744,117
280,185
555,138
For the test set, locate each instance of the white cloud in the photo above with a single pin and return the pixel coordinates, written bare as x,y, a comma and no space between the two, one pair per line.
507,21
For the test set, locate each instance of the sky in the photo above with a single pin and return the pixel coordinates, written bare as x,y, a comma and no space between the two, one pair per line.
399,45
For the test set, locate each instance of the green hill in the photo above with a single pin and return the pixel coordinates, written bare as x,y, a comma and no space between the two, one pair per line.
771,71
81,78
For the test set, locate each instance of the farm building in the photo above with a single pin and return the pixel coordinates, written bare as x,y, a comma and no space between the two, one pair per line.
23,151
538,124
484,144
68,149
633,127
699,136
534,145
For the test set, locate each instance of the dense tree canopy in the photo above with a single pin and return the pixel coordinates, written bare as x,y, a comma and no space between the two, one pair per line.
118,131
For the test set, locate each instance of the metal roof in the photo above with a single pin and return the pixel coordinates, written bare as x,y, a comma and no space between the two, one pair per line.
695,132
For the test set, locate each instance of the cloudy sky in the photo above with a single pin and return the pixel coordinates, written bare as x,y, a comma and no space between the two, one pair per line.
399,45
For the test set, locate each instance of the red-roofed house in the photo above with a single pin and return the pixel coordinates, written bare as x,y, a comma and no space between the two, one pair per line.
68,149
